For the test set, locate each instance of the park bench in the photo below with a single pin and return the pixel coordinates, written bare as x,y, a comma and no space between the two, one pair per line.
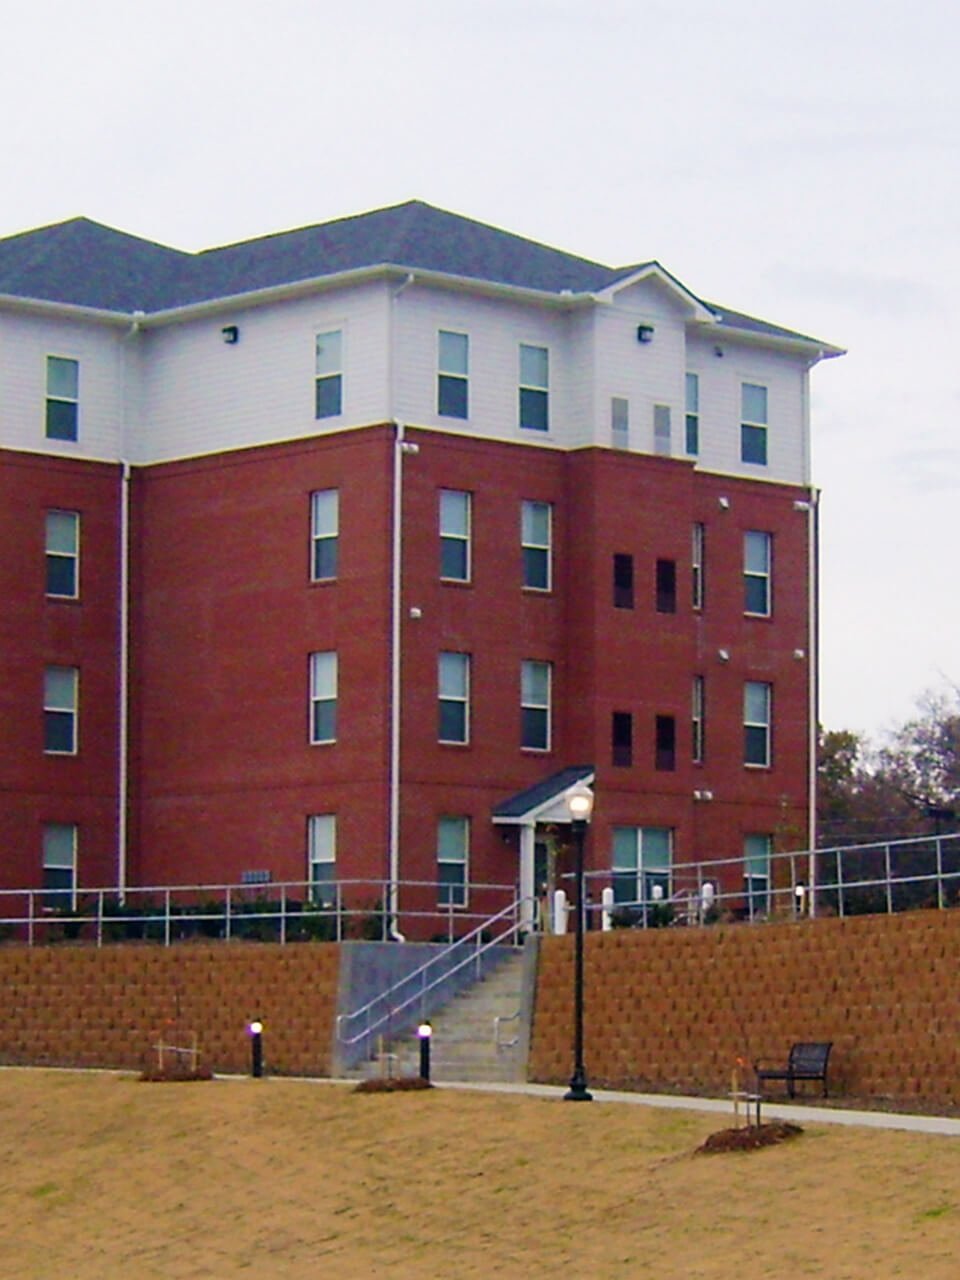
807,1061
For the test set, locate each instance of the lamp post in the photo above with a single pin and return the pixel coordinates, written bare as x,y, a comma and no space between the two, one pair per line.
579,806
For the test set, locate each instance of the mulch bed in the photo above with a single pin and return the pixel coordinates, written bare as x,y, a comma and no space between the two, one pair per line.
172,1075
750,1138
392,1084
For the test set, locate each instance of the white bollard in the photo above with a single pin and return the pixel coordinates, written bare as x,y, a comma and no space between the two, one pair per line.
606,915
561,911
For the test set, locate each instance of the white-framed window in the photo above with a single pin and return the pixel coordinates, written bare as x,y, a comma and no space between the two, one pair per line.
753,423
620,422
329,374
757,700
535,681
698,716
322,858
60,700
455,515
63,398
63,554
757,566
453,857
662,435
698,565
60,865
692,420
453,371
641,864
323,697
756,873
324,534
536,526
534,387
453,697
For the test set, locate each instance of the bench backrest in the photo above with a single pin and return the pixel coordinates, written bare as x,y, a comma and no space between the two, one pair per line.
810,1056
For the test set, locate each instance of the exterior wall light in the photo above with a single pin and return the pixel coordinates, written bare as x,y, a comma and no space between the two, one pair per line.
644,332
230,334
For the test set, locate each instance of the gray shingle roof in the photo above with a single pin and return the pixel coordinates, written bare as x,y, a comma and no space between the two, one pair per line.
542,793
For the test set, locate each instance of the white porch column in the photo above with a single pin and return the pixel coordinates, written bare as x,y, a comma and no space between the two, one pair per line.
528,889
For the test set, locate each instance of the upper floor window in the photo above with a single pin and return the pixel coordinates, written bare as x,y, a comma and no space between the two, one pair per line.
453,847
63,398
622,580
322,858
59,865
329,374
63,554
698,564
662,441
453,697
665,753
534,387
324,534
535,679
666,586
757,559
323,697
453,355
753,423
60,696
536,521
454,535
698,715
620,422
692,441
756,723
621,738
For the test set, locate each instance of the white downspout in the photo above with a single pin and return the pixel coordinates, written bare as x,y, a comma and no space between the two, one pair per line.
813,614
123,716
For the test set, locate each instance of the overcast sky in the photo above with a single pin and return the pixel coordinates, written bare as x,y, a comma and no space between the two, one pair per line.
797,162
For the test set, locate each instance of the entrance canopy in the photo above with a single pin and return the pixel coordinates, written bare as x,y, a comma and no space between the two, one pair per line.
545,801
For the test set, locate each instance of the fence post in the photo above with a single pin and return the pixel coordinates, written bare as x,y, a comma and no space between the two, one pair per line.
840,883
886,868
283,914
226,915
30,910
99,917
939,873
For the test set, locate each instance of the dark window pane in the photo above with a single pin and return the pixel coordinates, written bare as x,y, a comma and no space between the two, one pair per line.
329,396
624,886
325,721
58,727
666,586
451,888
622,738
453,558
755,745
666,754
535,568
325,558
451,396
61,420
535,728
693,433
533,409
61,576
755,595
622,581
452,721
753,444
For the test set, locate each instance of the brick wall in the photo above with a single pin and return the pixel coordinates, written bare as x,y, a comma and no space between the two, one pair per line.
80,1006
673,1009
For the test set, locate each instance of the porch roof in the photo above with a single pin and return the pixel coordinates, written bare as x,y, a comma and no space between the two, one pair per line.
535,802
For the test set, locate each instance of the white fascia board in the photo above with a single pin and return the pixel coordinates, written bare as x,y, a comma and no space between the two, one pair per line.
809,348
654,271
67,310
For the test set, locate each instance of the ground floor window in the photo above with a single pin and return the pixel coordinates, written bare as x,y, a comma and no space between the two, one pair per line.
59,865
453,844
756,874
642,859
322,858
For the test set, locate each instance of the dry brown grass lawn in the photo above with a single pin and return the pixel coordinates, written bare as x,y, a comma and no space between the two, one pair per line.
103,1176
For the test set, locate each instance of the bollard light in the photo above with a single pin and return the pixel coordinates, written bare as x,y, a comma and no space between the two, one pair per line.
425,1032
255,1031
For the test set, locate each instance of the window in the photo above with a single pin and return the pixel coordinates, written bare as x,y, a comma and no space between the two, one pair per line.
534,388
63,554
324,534
535,705
661,429
453,697
642,858
63,398
620,422
59,865
693,413
453,844
698,565
60,686
756,723
621,735
453,355
322,859
329,390
622,581
454,535
756,873
666,586
756,573
536,526
323,697
699,719
665,752
753,423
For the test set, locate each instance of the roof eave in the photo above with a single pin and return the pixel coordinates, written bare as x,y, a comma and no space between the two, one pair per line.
70,310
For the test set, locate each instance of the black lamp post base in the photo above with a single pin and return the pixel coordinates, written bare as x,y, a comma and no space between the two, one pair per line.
578,1091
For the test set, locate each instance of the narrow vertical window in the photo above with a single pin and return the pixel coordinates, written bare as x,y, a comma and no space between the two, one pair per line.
322,858
698,565
329,374
60,689
756,723
666,586
535,678
757,562
534,388
756,874
699,719
620,422
63,554
665,752
536,519
692,440
661,429
753,423
454,535
453,846
324,534
622,580
63,398
323,697
453,697
59,865
453,357
621,735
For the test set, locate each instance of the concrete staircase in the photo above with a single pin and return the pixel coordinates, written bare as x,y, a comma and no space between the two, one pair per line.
463,1046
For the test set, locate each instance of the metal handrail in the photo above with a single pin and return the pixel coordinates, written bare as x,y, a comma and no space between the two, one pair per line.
498,1020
